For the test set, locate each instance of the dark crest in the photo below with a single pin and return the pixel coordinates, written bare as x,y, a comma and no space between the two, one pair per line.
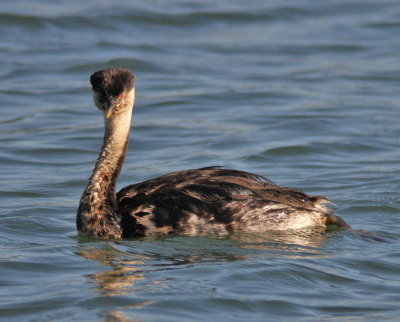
112,81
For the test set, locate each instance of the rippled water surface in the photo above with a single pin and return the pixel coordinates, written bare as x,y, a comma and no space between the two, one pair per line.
303,92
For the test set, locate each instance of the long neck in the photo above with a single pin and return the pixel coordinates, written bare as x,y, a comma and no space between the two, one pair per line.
97,213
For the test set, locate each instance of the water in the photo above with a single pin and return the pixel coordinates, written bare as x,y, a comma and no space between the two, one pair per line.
305,93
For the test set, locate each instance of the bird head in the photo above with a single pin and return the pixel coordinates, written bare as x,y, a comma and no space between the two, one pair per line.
113,90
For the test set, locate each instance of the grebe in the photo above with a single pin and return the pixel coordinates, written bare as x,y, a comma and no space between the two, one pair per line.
210,200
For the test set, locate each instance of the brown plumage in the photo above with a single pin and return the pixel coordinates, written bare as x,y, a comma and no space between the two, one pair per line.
210,200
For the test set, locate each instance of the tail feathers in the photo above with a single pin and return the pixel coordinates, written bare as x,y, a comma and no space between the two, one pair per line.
333,220
321,202
330,219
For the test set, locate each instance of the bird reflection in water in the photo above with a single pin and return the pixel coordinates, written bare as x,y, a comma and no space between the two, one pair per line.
126,270
120,280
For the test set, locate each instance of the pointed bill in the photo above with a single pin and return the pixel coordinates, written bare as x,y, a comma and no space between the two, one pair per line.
109,112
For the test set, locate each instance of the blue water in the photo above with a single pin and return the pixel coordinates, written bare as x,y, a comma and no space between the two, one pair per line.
305,93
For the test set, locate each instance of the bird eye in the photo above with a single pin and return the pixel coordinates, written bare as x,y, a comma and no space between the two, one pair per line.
121,96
